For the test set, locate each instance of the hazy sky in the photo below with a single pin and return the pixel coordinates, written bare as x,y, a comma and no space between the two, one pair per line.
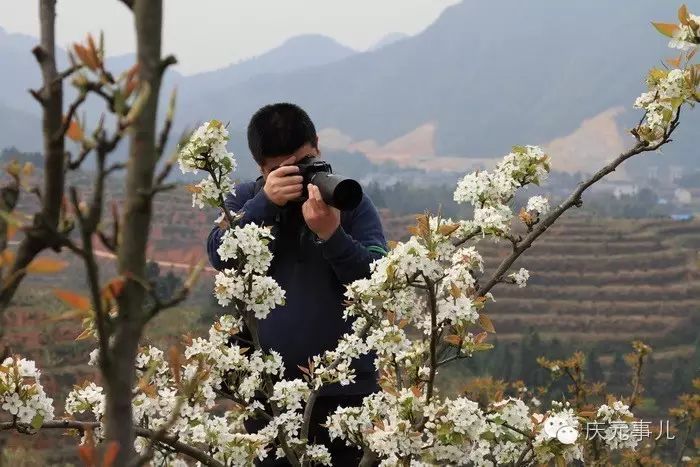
208,34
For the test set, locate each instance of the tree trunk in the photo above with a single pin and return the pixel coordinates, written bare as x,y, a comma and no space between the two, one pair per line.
51,96
118,368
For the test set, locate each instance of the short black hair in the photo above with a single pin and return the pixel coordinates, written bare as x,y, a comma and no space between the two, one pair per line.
279,129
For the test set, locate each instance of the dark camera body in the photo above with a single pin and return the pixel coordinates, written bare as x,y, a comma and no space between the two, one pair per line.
339,192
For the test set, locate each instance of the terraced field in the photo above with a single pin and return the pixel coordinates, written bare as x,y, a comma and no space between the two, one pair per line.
604,282
599,284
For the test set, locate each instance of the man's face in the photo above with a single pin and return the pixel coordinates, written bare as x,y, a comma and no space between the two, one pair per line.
272,163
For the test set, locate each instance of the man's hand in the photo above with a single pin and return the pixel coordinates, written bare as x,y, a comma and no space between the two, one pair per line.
322,219
281,185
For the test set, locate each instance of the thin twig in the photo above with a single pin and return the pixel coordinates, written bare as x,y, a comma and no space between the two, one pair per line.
93,280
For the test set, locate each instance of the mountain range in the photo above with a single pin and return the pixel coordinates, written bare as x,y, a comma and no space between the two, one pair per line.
482,77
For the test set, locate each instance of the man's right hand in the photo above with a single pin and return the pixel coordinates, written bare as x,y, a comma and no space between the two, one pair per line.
282,185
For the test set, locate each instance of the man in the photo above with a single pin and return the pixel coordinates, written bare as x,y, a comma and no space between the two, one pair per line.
317,250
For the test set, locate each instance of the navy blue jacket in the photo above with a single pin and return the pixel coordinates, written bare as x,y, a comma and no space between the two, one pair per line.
313,275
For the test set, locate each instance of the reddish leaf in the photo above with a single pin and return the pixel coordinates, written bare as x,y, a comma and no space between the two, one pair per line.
74,131
485,323
72,299
481,337
46,266
176,360
453,339
86,451
110,454
113,288
674,62
7,257
92,49
667,29
683,14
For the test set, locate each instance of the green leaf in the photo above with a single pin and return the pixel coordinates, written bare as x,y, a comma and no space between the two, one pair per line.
119,102
37,421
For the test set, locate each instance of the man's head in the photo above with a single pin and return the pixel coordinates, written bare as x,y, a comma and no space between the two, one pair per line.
280,133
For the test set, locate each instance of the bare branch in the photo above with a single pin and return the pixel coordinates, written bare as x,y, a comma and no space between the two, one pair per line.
434,335
37,95
165,132
114,167
101,317
165,170
159,306
69,116
67,72
166,62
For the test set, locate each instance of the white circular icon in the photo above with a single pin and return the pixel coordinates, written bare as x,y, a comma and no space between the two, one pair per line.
552,426
567,435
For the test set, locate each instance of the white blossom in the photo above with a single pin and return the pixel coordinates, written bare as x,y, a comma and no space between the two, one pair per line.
520,278
21,392
538,204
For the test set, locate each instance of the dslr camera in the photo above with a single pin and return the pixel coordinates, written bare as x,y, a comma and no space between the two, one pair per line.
340,192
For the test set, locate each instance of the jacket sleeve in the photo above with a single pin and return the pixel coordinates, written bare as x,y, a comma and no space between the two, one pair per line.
256,208
351,252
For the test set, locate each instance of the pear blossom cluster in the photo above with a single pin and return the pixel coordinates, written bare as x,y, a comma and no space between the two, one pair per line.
335,366
21,394
190,388
247,281
206,147
617,419
206,150
490,192
208,191
455,431
538,204
667,91
520,278
687,34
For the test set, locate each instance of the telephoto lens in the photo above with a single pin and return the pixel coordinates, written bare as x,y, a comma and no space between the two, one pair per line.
337,191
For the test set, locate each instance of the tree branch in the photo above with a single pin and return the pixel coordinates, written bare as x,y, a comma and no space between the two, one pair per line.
574,199
93,280
433,339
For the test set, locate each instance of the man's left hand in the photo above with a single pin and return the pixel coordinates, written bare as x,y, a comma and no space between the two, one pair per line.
321,218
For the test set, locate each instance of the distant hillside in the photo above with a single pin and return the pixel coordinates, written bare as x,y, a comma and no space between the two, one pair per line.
483,76
294,54
17,125
486,79
20,72
388,39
